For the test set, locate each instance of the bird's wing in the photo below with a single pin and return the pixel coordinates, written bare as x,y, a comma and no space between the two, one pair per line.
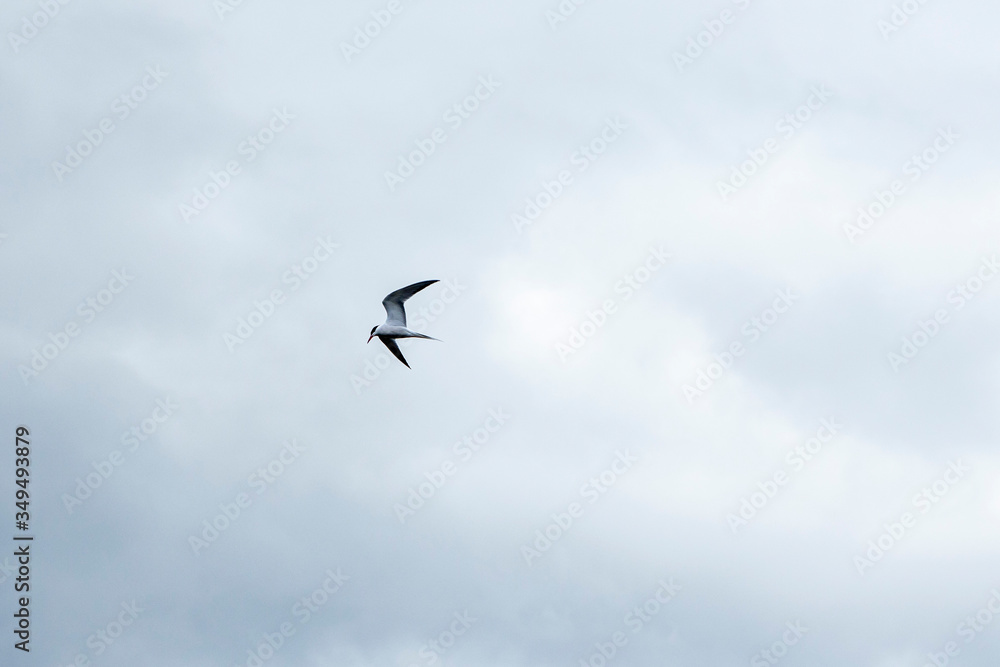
394,303
391,344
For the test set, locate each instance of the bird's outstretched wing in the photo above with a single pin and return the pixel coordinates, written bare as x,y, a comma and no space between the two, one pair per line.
391,344
394,304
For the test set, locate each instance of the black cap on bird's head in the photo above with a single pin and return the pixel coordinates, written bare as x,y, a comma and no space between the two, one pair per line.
372,334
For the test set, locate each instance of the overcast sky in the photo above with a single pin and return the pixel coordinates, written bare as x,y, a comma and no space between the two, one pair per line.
718,377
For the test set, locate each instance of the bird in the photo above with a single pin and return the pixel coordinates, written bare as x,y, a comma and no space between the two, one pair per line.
395,321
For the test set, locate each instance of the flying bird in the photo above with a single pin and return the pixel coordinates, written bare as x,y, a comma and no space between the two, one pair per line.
395,321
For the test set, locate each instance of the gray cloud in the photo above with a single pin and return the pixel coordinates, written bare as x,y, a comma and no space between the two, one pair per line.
371,431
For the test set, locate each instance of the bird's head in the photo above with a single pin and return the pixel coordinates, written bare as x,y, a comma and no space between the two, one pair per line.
372,334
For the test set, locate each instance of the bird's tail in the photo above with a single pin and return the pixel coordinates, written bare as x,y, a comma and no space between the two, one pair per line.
414,334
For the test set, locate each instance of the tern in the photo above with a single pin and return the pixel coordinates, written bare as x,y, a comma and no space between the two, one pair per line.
395,321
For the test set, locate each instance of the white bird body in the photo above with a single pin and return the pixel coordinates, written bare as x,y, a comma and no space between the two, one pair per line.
396,331
395,321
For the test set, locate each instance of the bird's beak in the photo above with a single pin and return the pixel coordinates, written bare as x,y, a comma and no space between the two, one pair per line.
370,338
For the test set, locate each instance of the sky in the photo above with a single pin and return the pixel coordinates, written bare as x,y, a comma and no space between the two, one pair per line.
717,315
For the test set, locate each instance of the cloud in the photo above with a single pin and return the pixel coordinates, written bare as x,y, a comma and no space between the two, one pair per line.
589,121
